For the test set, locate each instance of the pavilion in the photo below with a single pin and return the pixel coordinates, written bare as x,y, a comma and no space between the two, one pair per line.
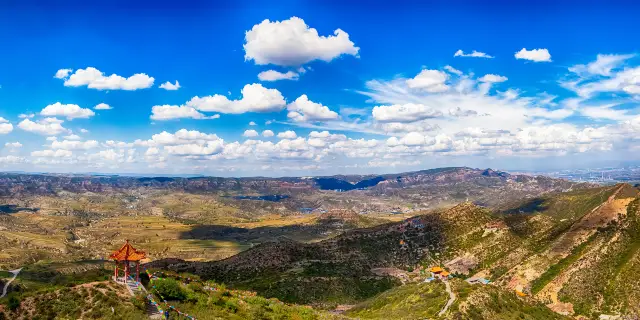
124,256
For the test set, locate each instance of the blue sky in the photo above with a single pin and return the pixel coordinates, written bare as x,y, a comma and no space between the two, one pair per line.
365,89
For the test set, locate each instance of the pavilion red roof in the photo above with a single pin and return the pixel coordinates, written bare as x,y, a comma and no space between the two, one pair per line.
128,252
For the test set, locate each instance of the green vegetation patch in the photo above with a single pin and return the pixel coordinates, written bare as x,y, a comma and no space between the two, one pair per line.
557,268
412,301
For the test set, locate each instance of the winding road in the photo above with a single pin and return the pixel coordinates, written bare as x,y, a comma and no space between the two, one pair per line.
6,285
452,298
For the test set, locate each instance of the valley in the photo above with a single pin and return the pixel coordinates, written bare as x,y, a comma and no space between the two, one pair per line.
356,253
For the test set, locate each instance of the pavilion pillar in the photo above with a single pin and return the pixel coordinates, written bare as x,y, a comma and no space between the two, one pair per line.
138,271
126,270
115,271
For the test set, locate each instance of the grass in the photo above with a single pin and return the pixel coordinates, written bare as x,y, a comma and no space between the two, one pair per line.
222,303
553,271
107,301
412,301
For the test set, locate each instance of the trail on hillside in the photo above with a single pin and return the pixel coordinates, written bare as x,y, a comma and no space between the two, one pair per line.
6,285
452,298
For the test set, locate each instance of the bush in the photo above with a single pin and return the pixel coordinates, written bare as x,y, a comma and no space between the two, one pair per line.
13,303
169,289
139,301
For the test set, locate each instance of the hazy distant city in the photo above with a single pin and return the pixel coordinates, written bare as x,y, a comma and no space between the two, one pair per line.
630,174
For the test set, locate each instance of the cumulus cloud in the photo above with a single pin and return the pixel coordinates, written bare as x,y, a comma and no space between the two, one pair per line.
45,127
535,55
303,109
102,106
250,133
170,86
72,137
168,112
252,123
13,145
63,73
74,145
192,149
5,126
429,80
26,116
60,153
292,43
267,133
473,54
11,159
273,75
287,135
492,78
70,111
255,98
95,79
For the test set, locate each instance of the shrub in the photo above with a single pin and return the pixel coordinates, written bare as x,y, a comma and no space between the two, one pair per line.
170,289
13,303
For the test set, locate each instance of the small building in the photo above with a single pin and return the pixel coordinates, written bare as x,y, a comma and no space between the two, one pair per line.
436,270
439,273
123,259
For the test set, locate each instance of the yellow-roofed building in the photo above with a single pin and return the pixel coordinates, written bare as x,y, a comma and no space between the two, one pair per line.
436,269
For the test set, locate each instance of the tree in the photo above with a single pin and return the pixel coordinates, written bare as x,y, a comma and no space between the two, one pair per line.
169,289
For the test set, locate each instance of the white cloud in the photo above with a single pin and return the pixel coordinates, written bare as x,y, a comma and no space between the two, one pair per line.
273,75
170,86
604,75
404,113
250,133
182,136
252,123
287,135
74,145
70,111
292,43
95,79
26,116
5,126
60,153
429,80
453,70
209,148
168,112
63,73
45,127
267,133
11,159
255,98
84,131
603,65
102,106
492,78
303,109
536,55
72,137
13,145
152,151
474,54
